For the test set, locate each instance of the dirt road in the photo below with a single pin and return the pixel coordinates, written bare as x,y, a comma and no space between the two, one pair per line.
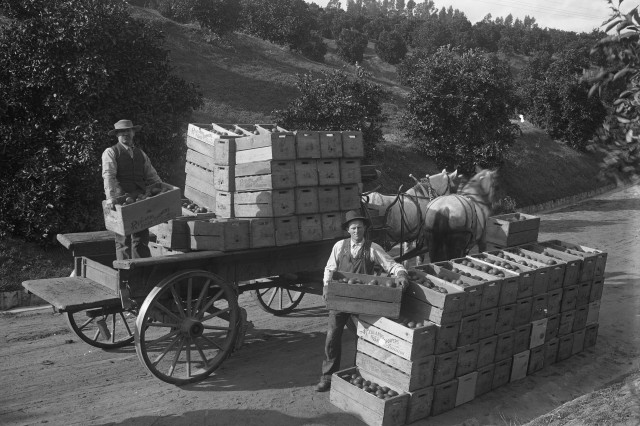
50,376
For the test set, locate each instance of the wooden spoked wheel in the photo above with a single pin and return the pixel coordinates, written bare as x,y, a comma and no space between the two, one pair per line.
105,328
187,326
278,300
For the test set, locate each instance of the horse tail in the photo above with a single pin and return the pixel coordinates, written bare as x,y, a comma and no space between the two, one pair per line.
438,235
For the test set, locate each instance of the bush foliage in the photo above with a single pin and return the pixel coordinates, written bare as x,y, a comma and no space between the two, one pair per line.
391,47
337,101
459,108
69,69
351,45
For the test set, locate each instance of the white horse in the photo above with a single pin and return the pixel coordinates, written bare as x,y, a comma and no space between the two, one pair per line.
404,213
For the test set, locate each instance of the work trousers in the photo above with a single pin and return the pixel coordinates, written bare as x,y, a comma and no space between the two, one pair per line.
333,344
133,246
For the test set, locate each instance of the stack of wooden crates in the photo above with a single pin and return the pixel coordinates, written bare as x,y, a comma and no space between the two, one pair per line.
485,330
267,186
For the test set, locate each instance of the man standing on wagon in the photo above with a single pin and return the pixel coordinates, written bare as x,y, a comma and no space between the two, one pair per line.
357,255
126,169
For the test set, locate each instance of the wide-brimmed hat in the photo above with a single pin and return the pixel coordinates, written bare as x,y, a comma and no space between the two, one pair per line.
123,125
355,215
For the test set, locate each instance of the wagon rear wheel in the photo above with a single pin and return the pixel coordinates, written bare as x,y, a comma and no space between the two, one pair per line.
279,300
187,326
105,328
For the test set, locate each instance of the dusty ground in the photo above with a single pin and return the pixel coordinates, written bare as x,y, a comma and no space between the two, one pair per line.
49,376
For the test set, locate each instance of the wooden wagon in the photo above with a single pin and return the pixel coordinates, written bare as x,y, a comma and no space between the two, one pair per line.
181,310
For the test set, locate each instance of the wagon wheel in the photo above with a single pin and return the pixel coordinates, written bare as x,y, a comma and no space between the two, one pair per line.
278,300
187,326
106,328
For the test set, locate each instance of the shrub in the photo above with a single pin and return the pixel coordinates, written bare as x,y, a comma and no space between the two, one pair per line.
315,48
351,45
219,16
336,101
458,109
69,69
391,47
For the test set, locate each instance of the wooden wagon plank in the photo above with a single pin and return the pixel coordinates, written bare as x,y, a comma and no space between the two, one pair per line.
72,294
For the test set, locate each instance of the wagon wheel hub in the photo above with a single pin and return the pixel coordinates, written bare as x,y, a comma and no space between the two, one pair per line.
192,327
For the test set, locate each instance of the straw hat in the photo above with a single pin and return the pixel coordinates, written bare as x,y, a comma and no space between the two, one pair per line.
123,125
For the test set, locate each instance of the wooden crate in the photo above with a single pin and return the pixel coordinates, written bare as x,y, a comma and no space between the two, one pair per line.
332,225
352,144
569,298
132,218
219,234
310,227
415,372
578,341
565,346
262,232
590,335
328,172
566,323
580,318
553,325
594,260
330,145
467,359
444,397
328,199
484,380
308,144
349,197
526,274
539,306
538,333
306,200
365,299
445,367
203,147
542,271
487,323
264,144
306,172
554,301
421,338
504,345
420,402
510,285
201,174
487,351
572,264
593,313
173,234
472,288
536,359
446,337
453,300
158,250
551,352
200,159
582,295
259,175
468,329
203,132
466,388
398,379
287,231
205,190
492,285
501,372
523,311
519,366
201,198
512,229
557,267
364,405
273,203
506,316
521,338
414,307
350,170
224,206
596,289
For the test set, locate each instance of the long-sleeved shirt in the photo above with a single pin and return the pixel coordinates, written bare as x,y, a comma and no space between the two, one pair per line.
112,188
377,254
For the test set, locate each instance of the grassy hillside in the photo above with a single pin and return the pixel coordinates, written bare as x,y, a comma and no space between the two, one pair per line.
244,79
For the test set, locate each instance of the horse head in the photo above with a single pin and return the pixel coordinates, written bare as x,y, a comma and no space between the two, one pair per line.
482,186
433,186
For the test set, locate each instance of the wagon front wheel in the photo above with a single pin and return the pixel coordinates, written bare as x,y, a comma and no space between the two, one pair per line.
187,326
105,328
279,300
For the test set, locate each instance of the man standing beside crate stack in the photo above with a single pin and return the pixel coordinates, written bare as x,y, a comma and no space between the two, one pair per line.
358,255
126,169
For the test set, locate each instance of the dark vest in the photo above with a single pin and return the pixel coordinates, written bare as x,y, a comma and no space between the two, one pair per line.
130,173
362,263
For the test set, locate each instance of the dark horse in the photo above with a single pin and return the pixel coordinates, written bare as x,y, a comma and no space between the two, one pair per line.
455,223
